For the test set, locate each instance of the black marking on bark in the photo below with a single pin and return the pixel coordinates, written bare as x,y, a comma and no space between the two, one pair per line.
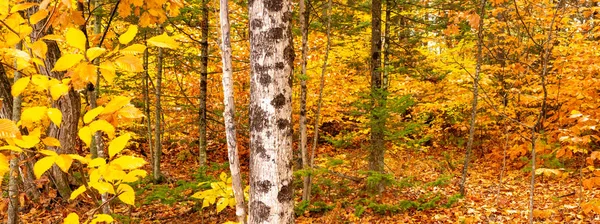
279,65
289,55
283,124
275,34
256,24
258,118
265,79
279,101
263,186
260,210
285,194
260,148
274,5
287,16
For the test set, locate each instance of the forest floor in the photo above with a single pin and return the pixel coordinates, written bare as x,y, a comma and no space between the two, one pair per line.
422,189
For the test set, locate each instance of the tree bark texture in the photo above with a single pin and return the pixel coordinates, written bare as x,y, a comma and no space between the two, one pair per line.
69,105
203,85
146,94
229,114
5,95
13,183
304,16
271,61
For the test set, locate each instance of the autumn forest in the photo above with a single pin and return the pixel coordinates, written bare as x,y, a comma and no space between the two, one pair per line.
285,111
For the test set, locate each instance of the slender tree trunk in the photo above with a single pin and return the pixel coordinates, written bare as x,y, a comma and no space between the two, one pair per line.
386,46
229,114
320,100
203,88
69,105
5,95
6,112
13,184
304,17
146,94
538,127
271,61
157,129
377,151
475,96
93,89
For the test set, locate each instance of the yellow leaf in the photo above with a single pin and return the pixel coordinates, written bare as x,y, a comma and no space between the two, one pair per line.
21,7
11,148
34,114
41,81
222,204
94,52
130,63
103,187
102,218
55,116
85,135
42,165
115,104
67,61
39,48
64,162
163,41
90,115
103,125
223,177
97,162
8,129
38,16
134,175
76,38
4,166
129,162
79,158
107,69
72,218
58,90
50,141
118,144
126,194
129,111
128,36
27,141
134,49
77,192
19,86
575,114
48,152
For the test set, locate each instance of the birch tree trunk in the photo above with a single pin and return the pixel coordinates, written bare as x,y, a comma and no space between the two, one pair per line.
203,88
271,61
304,16
157,127
229,112
475,95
